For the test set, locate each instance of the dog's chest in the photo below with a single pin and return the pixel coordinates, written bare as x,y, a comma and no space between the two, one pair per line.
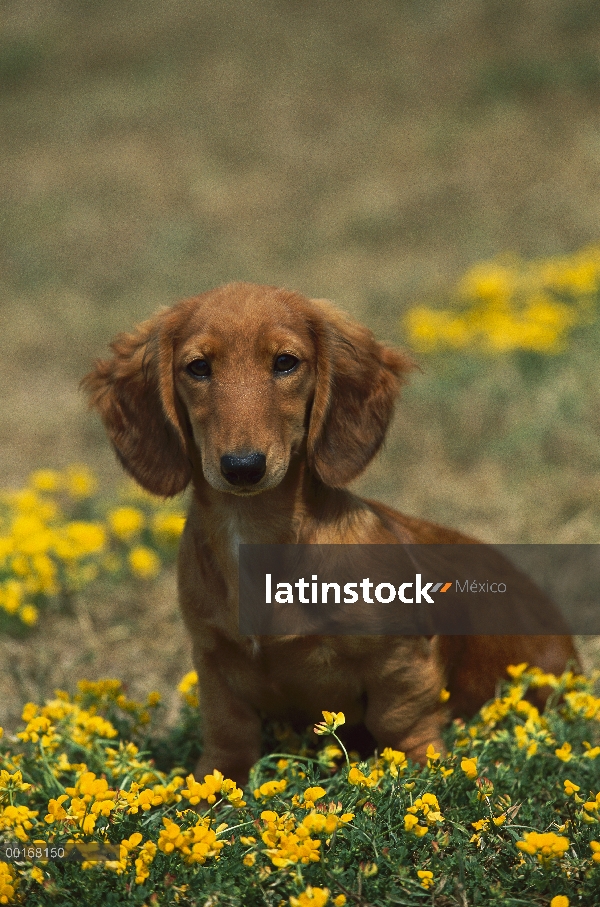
285,676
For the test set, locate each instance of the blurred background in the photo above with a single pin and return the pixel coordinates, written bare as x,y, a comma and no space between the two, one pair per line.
370,153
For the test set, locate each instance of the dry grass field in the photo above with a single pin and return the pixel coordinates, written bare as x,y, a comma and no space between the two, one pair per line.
369,153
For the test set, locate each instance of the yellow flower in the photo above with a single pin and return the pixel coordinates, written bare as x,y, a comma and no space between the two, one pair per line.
469,767
270,789
56,811
80,481
186,685
570,788
516,671
18,819
324,823
505,305
47,480
311,897
560,900
12,783
187,682
444,695
30,534
426,878
37,875
11,594
143,862
432,756
564,752
595,846
214,785
411,825
313,793
29,614
167,527
332,721
547,846
396,761
125,522
355,776
8,883
144,562
79,539
340,900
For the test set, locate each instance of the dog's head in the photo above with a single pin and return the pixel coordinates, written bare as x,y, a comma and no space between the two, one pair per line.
237,381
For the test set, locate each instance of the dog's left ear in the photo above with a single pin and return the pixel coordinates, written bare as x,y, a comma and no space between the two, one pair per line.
358,380
134,394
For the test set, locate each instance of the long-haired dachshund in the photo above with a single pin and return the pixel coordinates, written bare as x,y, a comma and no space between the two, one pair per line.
270,403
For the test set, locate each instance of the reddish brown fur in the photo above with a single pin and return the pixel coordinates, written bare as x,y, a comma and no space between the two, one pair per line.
319,428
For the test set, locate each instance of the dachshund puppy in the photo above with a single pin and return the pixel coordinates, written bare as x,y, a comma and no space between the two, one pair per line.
269,404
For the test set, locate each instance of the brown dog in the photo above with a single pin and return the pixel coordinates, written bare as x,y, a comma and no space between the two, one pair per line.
270,404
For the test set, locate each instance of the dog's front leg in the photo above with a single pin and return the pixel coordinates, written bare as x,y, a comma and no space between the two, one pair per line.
404,710
231,727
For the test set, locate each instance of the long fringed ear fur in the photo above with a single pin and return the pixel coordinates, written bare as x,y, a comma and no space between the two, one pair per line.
134,394
358,380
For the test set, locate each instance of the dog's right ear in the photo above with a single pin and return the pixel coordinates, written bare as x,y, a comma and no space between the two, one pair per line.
134,394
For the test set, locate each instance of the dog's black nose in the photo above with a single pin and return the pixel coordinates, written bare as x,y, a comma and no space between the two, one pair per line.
246,470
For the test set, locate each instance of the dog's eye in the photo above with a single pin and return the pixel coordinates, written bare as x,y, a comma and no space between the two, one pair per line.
198,368
285,363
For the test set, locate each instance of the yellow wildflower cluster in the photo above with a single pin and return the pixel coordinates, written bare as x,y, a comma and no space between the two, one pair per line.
101,694
546,846
531,730
139,797
429,809
164,829
127,852
145,857
311,795
91,804
8,883
197,843
287,844
186,687
426,878
57,536
483,825
290,842
591,811
316,897
84,725
214,786
509,304
332,721
394,760
358,777
270,789
18,820
583,704
469,767
11,784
